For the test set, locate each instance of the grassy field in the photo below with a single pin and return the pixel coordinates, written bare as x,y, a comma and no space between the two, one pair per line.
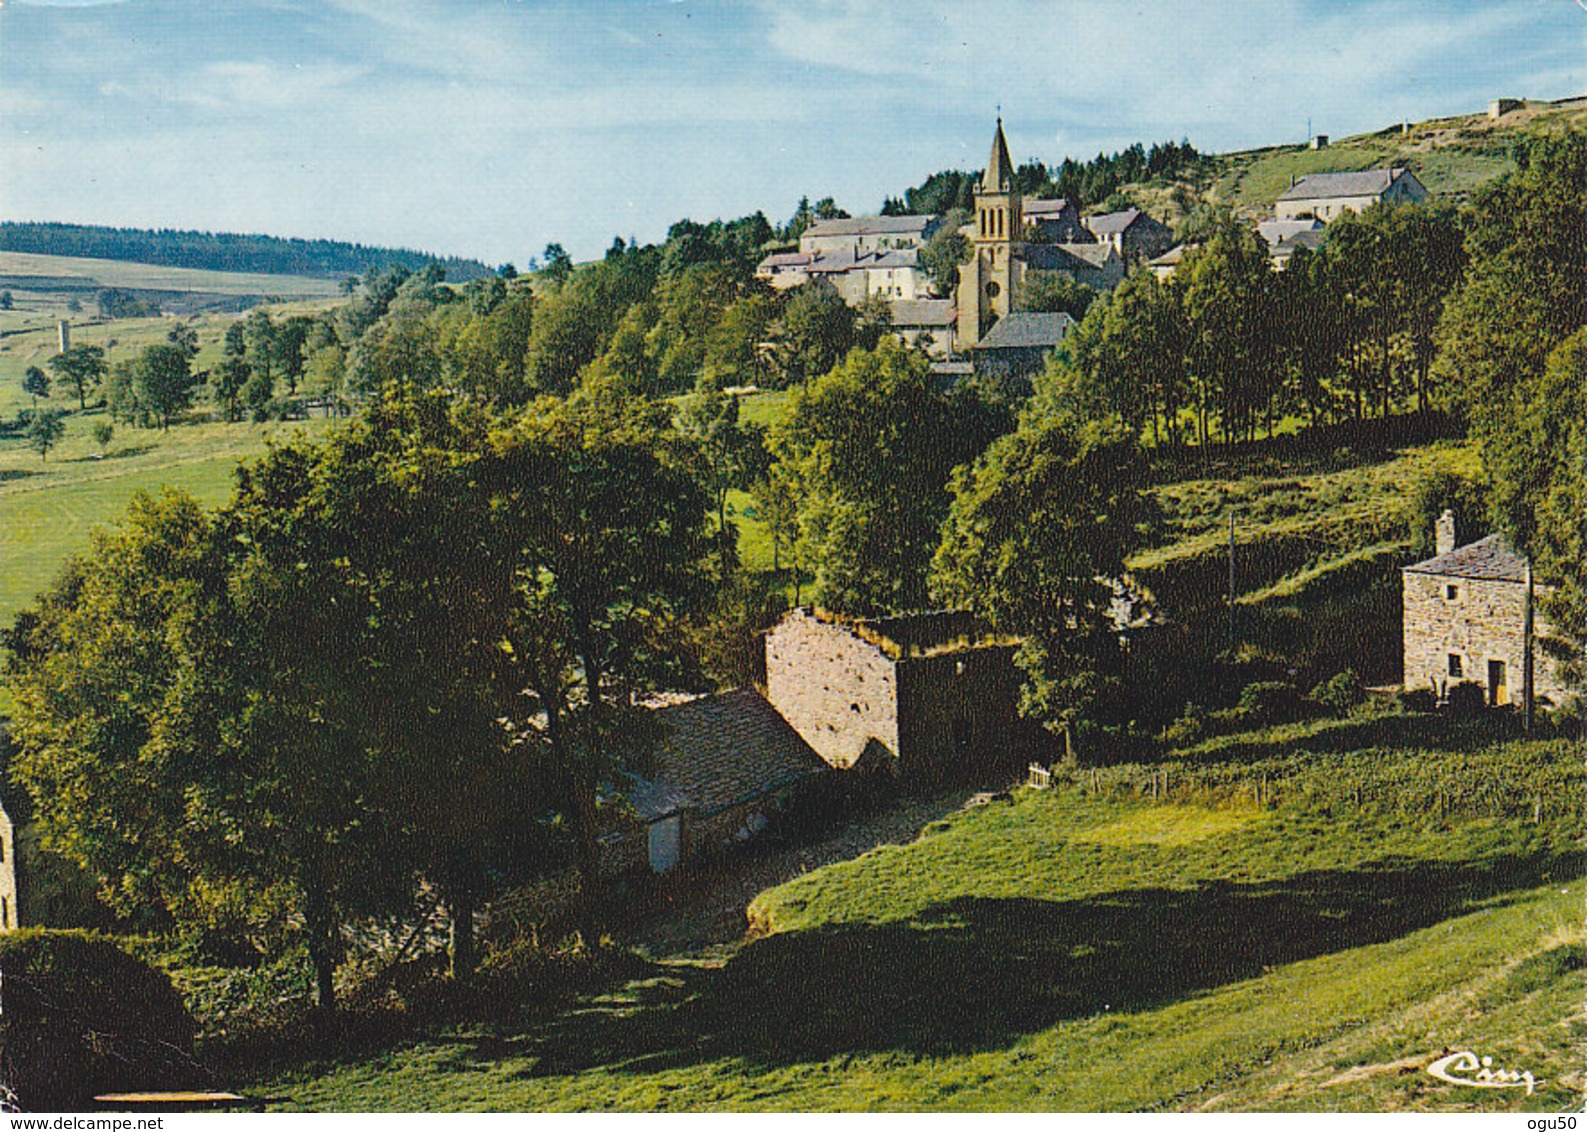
1280,946
75,273
48,507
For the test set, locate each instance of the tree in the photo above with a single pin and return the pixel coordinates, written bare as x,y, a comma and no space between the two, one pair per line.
944,251
227,381
184,336
866,451
607,552
82,367
1127,357
555,264
6,301
1035,539
816,330
36,384
162,383
103,433
1224,295
45,429
726,449
1056,291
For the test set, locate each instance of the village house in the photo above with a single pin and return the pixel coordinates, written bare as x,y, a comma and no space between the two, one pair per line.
927,698
1132,233
1285,237
1470,616
1057,221
925,324
867,235
1328,196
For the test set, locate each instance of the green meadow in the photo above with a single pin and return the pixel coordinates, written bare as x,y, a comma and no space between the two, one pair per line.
1282,927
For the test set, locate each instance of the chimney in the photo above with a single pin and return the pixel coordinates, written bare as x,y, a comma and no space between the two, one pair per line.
1446,537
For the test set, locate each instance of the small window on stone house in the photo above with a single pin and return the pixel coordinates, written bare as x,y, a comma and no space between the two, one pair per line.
1451,592
1455,668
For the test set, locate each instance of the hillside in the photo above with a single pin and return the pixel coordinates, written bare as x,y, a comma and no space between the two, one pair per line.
1452,156
1294,919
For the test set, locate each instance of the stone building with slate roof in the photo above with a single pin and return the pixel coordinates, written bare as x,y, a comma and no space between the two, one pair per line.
1470,615
1132,233
1328,196
721,769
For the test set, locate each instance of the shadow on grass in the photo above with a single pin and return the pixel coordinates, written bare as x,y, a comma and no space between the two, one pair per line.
117,454
974,973
9,474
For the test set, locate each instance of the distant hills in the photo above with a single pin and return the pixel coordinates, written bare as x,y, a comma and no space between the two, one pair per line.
222,251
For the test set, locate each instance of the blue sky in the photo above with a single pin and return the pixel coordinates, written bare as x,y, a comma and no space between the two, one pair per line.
490,127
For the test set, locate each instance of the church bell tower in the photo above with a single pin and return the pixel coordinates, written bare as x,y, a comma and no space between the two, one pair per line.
987,283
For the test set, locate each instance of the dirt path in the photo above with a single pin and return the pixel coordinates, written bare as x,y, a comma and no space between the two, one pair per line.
706,923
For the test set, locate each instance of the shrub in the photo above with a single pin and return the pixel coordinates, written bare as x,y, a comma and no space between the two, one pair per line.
80,1016
1189,729
1270,701
1467,699
1416,701
1340,693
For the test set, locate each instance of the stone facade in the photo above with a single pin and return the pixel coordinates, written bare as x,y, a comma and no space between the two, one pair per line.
915,695
10,913
1465,619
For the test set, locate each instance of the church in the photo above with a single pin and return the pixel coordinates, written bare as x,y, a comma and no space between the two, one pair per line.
991,280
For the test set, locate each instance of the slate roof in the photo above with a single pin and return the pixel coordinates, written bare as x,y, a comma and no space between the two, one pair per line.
1027,330
871,226
1036,209
718,751
1490,559
1110,223
1320,186
1276,232
786,259
1173,257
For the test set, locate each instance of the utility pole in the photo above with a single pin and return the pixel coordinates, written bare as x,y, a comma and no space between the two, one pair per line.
1526,656
1231,580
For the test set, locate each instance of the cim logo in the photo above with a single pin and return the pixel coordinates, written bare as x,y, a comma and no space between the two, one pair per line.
1466,1068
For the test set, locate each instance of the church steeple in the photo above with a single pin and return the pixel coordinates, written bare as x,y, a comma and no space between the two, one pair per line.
989,282
999,175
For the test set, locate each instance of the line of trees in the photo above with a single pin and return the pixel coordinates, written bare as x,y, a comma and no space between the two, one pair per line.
220,251
1227,346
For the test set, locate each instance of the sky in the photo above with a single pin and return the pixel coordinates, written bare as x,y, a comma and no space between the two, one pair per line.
489,128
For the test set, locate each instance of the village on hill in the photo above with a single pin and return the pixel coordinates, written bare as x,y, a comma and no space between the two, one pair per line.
823,665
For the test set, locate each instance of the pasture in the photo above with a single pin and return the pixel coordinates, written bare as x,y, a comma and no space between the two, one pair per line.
1282,930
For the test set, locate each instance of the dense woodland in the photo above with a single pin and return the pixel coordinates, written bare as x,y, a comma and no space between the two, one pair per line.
219,251
340,695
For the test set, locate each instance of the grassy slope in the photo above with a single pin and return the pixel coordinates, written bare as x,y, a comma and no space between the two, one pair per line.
48,507
153,277
1094,951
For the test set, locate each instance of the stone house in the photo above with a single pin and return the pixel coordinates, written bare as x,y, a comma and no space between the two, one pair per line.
10,910
867,235
929,698
1328,196
1057,221
721,769
1469,615
925,324
1133,234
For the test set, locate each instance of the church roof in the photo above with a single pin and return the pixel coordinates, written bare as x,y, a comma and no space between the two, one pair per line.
1490,559
1023,330
999,175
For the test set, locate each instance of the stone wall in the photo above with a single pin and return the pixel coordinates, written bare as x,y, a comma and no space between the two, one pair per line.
839,692
1482,622
958,713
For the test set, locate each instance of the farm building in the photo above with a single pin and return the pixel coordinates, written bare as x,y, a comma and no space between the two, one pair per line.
721,768
927,697
1469,616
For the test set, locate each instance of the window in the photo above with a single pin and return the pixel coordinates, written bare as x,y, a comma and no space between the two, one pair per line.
1455,668
1451,592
